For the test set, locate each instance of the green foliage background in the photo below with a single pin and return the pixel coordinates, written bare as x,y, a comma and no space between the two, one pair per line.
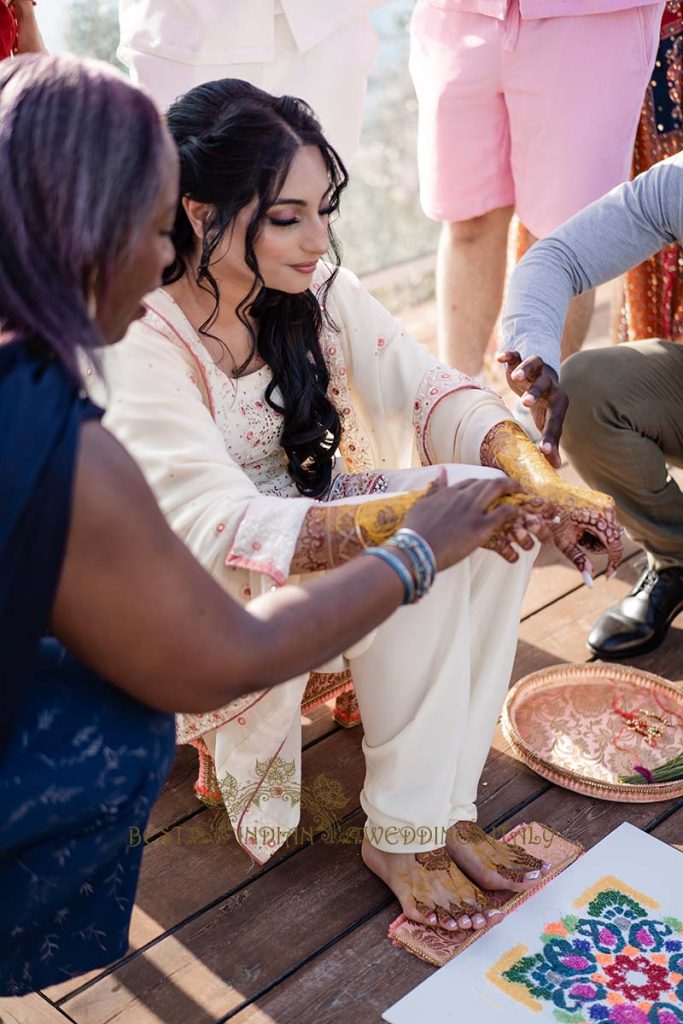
94,29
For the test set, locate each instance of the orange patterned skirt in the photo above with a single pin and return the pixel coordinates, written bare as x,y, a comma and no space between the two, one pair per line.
653,291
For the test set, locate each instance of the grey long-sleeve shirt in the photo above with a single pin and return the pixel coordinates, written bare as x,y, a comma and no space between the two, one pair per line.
609,237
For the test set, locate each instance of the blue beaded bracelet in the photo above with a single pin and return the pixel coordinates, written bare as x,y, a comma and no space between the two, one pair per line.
399,568
419,541
421,557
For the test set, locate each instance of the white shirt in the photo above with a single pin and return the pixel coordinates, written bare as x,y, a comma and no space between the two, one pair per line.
220,32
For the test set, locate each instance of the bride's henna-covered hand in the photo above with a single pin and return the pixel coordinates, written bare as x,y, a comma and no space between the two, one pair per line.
579,519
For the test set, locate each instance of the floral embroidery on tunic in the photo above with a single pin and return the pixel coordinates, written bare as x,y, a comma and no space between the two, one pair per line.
191,727
252,429
437,384
354,445
614,960
353,485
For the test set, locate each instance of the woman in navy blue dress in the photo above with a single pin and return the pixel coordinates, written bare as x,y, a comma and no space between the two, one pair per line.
88,192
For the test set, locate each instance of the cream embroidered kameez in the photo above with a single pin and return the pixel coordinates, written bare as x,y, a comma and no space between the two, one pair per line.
429,681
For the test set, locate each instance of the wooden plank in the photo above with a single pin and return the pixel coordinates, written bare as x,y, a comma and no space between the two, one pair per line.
558,633
584,819
554,577
317,724
671,829
214,963
362,974
354,981
204,851
178,799
666,660
30,1009
505,783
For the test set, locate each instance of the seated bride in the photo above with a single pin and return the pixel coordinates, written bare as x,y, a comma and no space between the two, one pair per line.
264,393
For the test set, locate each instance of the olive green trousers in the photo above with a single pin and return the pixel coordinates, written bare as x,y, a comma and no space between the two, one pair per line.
623,429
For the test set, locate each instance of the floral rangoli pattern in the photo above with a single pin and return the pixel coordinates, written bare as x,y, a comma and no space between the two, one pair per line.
615,960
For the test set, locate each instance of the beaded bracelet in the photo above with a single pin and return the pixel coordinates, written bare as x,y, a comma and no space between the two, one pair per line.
409,596
421,557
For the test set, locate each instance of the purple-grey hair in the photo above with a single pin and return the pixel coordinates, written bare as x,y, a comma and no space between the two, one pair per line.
81,152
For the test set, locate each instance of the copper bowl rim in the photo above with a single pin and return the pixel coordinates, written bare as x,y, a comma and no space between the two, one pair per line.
575,781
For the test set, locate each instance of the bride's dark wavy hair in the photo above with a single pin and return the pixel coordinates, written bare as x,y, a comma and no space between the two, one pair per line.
236,145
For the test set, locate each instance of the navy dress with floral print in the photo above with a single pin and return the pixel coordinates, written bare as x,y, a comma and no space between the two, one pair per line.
81,763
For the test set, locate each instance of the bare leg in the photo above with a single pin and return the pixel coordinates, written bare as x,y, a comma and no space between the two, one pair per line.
432,890
578,320
470,277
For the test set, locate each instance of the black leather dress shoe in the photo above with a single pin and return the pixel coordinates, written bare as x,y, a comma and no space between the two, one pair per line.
639,623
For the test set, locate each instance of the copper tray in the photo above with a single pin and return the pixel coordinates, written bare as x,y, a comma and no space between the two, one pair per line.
562,722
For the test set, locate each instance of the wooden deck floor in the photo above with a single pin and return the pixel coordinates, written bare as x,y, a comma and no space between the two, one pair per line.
304,938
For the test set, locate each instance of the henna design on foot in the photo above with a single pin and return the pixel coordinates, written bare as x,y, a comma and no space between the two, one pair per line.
435,860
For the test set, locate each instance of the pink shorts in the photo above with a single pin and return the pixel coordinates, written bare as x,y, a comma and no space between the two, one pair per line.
540,114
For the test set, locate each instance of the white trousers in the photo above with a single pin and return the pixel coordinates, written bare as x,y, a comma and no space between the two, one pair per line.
331,77
430,688
430,683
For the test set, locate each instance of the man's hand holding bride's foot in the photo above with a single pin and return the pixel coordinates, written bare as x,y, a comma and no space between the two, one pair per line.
490,863
432,890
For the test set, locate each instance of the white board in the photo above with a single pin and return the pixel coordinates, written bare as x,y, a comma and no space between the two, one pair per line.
461,991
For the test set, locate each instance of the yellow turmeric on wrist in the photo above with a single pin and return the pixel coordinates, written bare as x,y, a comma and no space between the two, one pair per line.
377,521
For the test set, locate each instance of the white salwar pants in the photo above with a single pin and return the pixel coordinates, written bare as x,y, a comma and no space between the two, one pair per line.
430,688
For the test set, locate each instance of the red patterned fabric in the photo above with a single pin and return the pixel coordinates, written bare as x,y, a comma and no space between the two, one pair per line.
346,711
8,31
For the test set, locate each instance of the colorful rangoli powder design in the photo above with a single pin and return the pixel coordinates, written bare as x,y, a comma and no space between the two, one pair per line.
614,961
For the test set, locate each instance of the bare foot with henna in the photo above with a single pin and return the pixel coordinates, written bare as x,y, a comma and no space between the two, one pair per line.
432,890
490,863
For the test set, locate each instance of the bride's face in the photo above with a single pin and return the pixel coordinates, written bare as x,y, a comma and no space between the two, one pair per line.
293,236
